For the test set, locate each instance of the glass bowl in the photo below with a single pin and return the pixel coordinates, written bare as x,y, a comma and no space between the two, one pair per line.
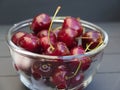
40,72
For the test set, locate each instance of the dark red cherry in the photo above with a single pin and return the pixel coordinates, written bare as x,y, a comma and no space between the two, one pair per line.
60,49
44,33
45,43
45,39
35,71
59,77
29,42
81,64
85,63
77,50
67,35
17,36
42,69
74,67
74,24
41,21
75,64
76,80
91,39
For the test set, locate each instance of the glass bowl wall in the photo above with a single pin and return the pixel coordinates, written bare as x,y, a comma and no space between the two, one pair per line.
24,60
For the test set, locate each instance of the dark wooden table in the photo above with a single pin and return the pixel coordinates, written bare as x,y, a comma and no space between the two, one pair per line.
107,77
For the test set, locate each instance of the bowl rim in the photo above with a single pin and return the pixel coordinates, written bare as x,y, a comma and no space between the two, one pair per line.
58,19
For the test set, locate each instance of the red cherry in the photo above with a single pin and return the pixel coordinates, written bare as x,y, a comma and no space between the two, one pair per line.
44,39
69,32
73,65
17,36
74,24
35,71
60,49
77,50
67,35
41,21
59,77
29,42
44,42
85,61
92,38
43,69
76,80
44,33
81,64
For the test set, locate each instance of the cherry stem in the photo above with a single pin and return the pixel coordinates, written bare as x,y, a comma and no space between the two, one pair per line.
88,46
75,73
57,10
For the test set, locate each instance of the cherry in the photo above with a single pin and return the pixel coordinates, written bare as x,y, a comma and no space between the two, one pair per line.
35,71
45,41
59,77
77,50
41,21
29,42
91,39
60,49
44,33
17,36
74,24
42,69
81,64
75,65
76,80
67,35
85,61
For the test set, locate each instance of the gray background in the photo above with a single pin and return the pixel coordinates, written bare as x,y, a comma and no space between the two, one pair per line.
12,11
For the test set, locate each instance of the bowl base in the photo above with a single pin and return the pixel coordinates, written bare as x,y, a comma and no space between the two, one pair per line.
27,82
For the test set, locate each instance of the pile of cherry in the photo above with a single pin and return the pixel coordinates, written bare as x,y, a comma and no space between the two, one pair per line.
59,42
